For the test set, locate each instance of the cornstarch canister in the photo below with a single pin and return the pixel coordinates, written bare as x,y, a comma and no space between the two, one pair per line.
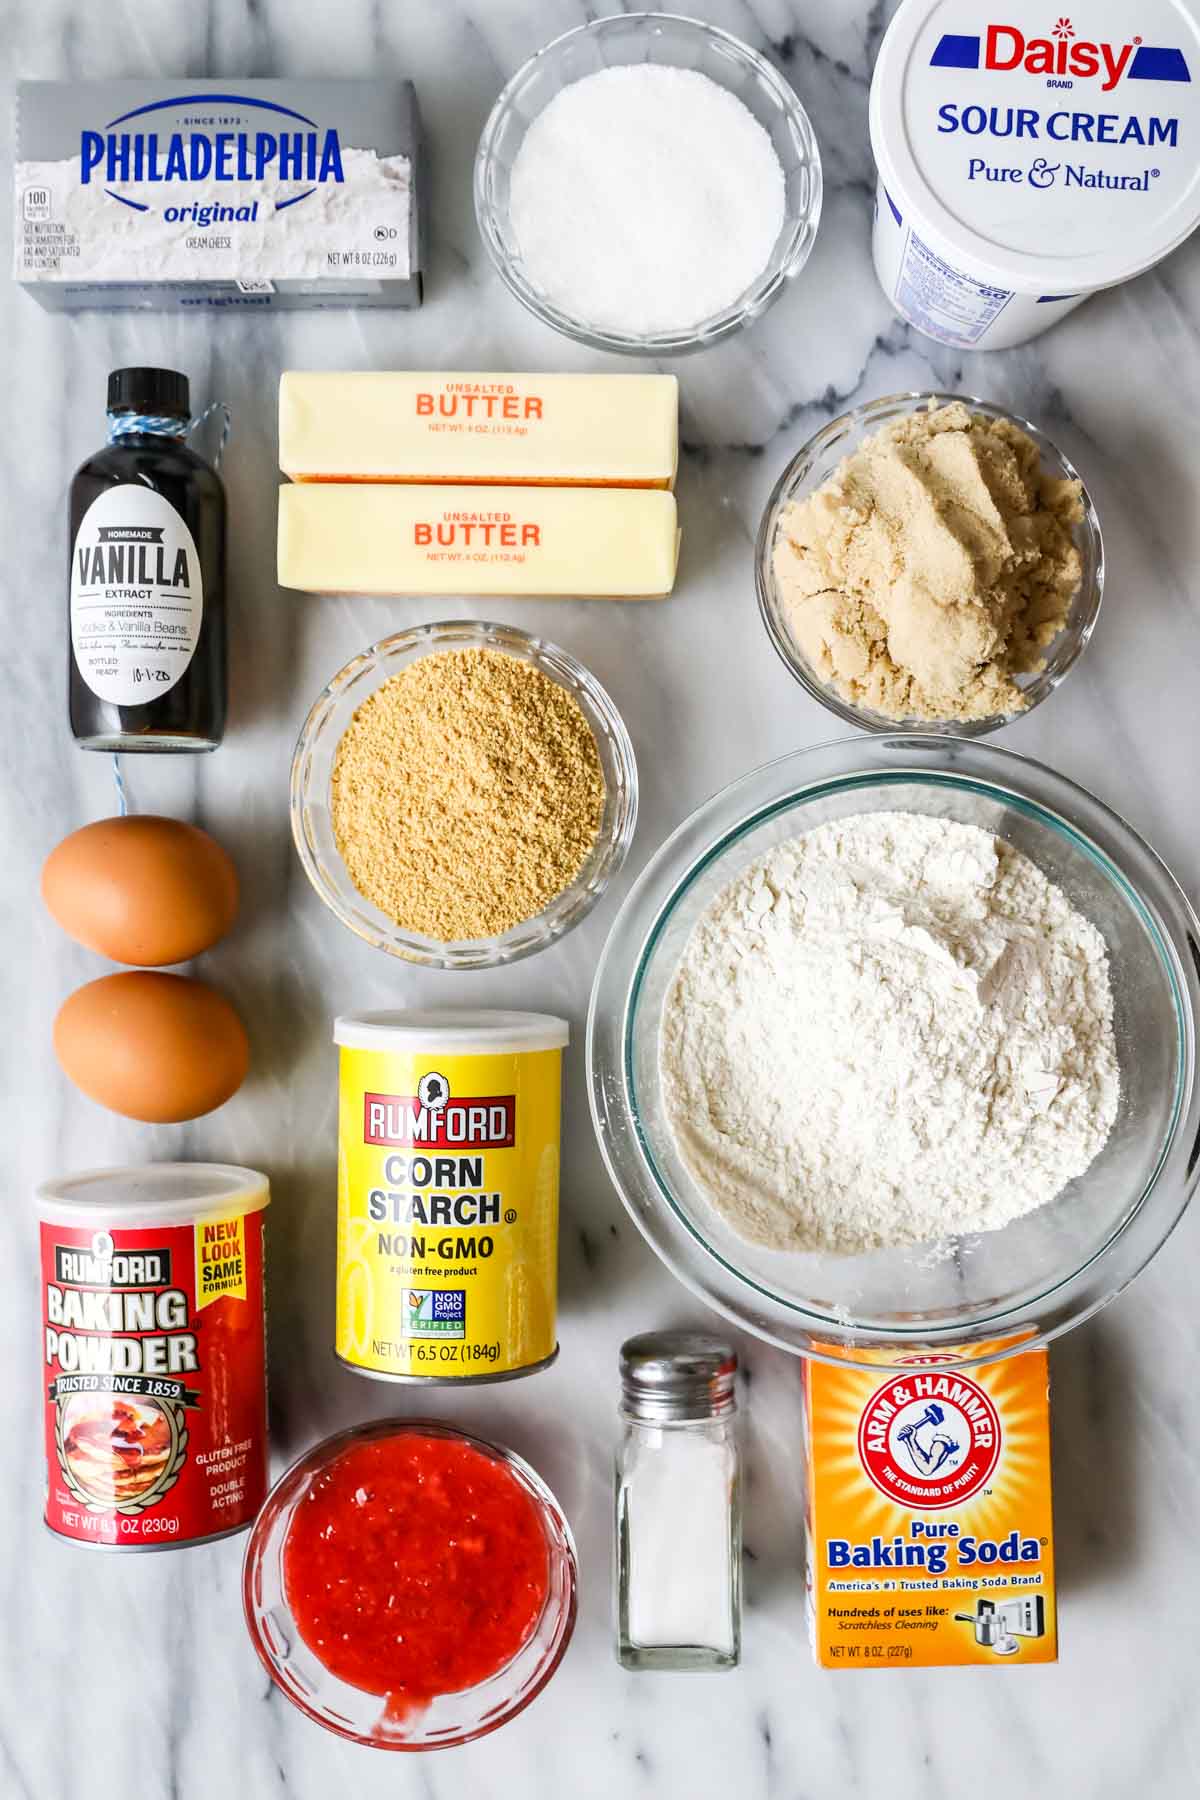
154,1353
448,1158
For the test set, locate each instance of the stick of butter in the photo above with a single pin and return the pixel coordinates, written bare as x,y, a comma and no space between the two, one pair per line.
558,430
374,538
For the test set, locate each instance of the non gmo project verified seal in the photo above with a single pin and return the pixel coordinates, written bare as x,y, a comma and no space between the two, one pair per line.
435,1312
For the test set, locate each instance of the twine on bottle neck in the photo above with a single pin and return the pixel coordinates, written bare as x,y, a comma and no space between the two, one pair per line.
121,425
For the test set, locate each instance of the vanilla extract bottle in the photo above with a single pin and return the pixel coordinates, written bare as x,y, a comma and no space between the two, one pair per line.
147,658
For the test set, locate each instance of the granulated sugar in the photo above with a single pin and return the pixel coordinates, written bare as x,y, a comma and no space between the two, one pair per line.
890,1030
645,199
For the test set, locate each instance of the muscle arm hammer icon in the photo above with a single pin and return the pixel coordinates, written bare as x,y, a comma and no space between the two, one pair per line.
927,1456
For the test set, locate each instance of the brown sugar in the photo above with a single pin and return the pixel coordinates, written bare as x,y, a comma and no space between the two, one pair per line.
933,568
466,794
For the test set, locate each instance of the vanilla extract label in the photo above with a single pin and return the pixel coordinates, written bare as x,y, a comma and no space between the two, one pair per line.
131,556
137,596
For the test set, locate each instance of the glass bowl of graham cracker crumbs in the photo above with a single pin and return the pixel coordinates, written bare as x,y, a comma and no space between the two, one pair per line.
462,793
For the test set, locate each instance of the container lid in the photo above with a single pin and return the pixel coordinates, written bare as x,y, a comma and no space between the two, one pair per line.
670,1376
153,1194
162,391
452,1030
1051,154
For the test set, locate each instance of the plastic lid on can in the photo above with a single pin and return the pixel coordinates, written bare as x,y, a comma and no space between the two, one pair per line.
452,1031
1050,153
152,1194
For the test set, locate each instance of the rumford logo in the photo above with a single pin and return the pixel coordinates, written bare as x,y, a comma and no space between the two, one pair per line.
210,142
1061,55
433,1120
929,1438
100,1265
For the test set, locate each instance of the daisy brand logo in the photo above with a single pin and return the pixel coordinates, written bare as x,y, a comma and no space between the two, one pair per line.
1062,56
929,1438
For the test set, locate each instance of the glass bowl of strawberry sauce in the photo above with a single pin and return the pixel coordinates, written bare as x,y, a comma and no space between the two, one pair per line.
410,1587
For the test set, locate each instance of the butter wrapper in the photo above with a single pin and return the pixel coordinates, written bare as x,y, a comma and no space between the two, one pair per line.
544,430
386,538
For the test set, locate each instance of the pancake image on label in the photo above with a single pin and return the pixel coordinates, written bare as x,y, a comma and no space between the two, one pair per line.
115,1450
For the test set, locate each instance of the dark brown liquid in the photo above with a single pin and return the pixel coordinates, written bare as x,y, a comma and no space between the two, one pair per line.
191,714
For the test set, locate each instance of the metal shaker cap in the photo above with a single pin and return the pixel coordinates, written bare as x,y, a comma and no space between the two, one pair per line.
670,1376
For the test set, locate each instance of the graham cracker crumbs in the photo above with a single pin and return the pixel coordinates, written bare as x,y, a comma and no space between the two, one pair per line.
466,794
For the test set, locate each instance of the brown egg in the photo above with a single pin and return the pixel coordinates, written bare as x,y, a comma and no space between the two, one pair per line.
141,890
161,1048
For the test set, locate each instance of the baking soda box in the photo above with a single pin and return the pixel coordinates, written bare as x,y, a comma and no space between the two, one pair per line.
930,1537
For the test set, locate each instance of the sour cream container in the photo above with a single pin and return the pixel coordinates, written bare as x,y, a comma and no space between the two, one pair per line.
1025,165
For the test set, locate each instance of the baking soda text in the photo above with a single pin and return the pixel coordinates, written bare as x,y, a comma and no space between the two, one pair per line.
936,1557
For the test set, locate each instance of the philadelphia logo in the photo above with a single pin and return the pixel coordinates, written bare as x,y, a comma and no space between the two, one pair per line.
116,155
1006,47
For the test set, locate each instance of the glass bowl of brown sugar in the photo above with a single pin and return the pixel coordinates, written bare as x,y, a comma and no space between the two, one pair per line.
462,794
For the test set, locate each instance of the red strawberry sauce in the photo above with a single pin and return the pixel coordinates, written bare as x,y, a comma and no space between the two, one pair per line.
415,1566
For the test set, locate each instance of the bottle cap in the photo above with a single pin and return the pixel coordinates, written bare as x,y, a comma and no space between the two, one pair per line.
669,1376
161,392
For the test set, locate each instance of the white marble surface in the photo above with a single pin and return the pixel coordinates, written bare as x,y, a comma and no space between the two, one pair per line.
133,1675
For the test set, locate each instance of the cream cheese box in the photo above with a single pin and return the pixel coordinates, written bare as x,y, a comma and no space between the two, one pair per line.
218,193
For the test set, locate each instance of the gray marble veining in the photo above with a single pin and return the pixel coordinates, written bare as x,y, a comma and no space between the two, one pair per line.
122,1674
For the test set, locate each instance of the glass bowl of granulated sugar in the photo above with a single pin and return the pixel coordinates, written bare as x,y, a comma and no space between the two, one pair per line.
462,794
648,184
893,1046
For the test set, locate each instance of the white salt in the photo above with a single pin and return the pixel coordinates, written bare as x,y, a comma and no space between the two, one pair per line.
645,199
680,1546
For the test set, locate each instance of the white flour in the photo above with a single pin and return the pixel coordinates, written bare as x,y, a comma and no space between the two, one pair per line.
887,1031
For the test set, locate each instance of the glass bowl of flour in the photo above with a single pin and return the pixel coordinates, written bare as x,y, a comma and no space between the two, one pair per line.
648,184
894,1043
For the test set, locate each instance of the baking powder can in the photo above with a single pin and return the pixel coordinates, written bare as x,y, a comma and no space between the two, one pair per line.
448,1157
153,1353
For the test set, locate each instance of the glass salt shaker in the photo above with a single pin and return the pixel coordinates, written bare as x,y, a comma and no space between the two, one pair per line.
678,1511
